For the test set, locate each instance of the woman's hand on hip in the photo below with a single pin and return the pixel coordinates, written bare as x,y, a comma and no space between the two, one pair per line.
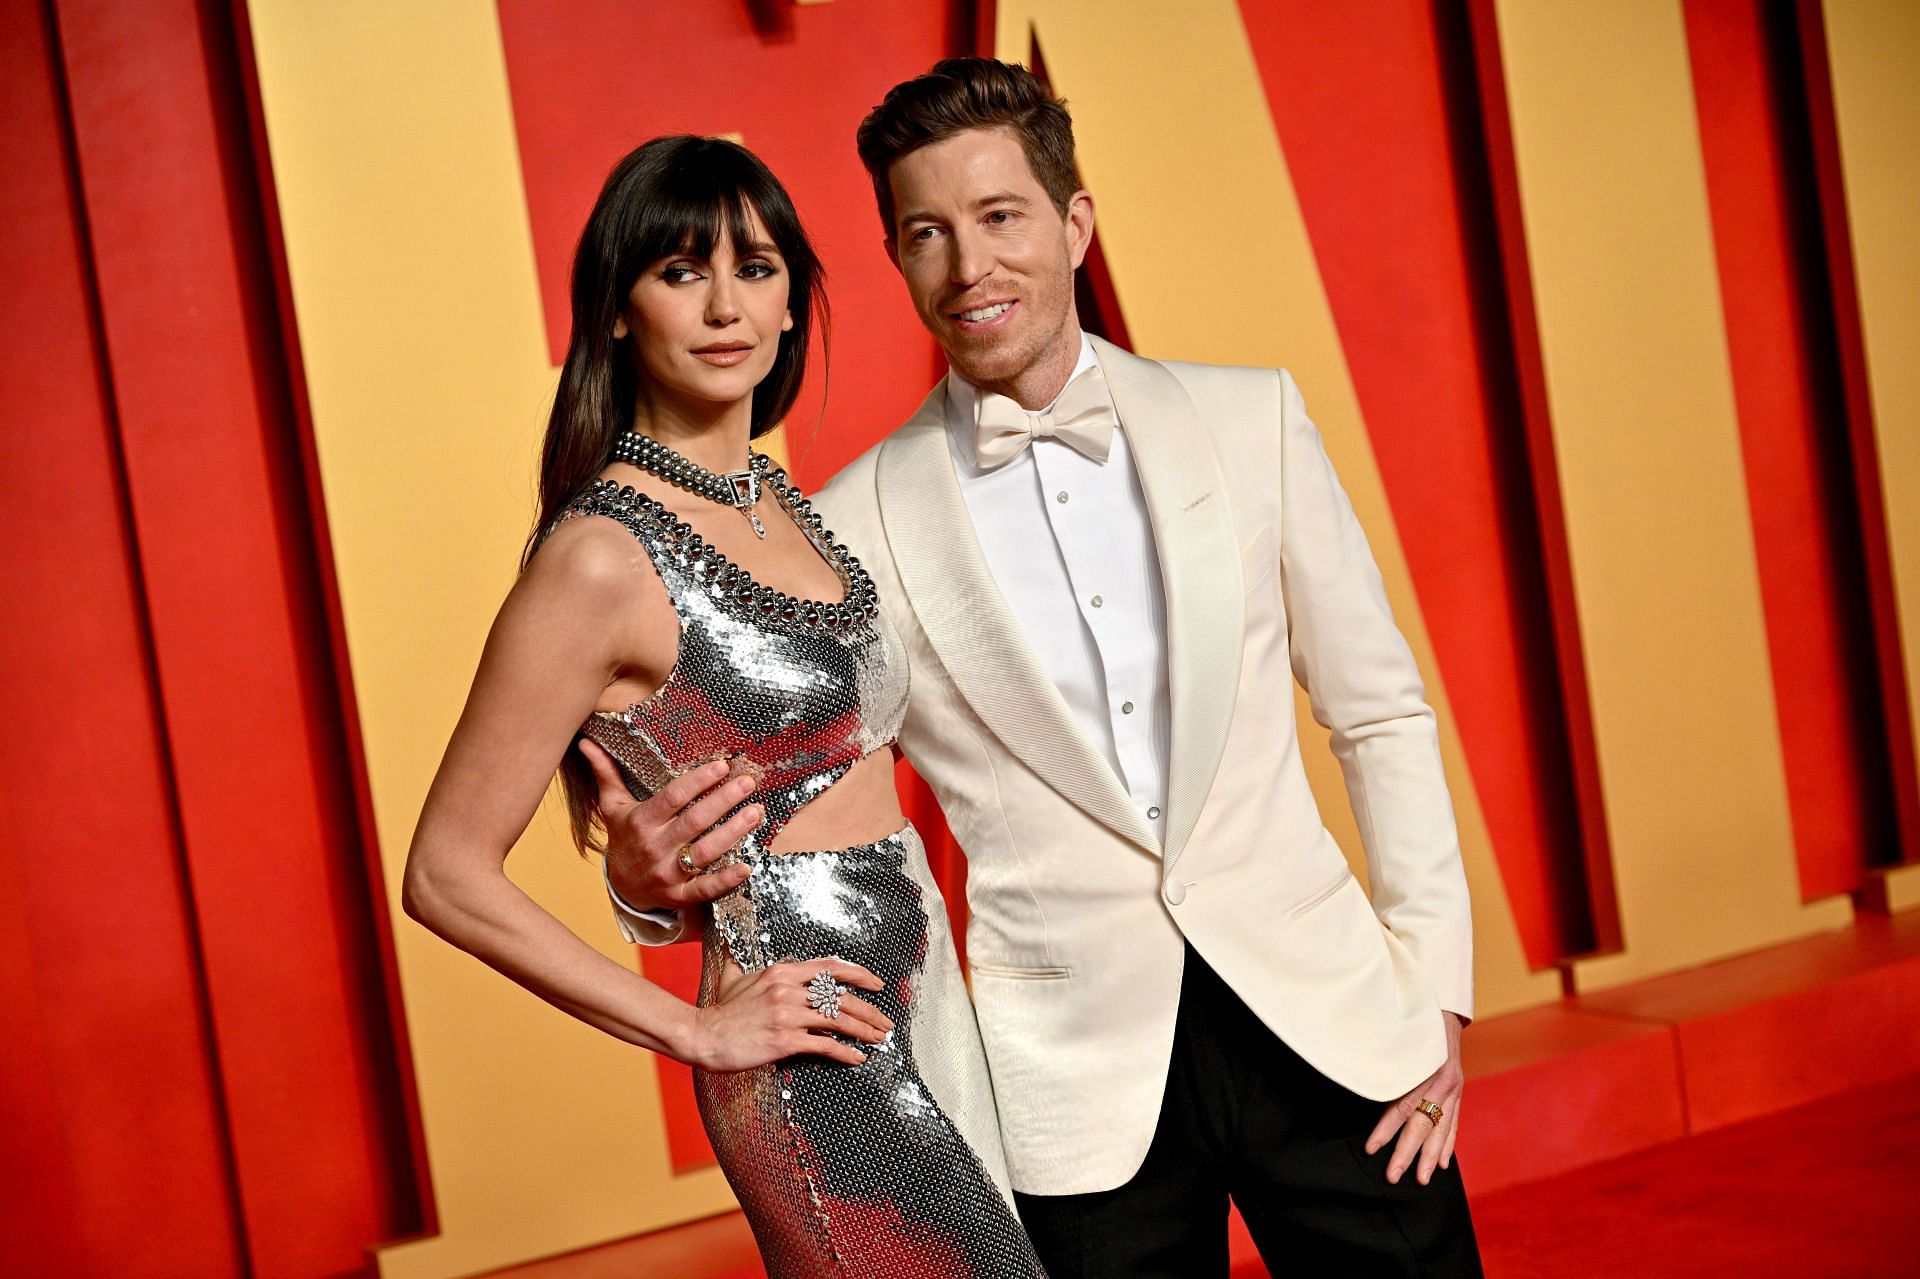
763,1016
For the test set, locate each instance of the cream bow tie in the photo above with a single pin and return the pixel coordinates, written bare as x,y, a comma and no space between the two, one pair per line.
1082,417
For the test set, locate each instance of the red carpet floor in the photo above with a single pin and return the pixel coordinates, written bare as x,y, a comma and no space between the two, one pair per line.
1829,1190
1825,1191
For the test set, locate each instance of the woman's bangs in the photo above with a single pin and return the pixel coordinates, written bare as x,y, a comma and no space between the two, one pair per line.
690,220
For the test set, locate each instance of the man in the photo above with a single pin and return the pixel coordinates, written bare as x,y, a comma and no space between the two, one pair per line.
1104,568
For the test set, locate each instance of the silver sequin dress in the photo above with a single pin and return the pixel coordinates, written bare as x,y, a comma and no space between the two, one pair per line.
890,1169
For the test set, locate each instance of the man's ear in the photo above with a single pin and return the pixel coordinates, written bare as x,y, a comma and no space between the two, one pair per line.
891,244
1079,226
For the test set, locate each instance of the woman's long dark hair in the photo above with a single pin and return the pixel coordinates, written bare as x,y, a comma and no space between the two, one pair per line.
670,196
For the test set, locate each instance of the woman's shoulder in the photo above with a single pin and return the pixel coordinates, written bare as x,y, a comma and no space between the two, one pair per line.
592,555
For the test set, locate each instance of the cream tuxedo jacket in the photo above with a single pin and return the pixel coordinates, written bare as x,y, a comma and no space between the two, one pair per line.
1078,911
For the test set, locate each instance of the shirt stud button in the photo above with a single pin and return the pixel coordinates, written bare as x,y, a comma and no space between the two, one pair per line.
1061,496
1153,814
1096,601
1126,708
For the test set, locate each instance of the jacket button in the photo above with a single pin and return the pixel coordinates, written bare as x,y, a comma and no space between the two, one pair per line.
1176,892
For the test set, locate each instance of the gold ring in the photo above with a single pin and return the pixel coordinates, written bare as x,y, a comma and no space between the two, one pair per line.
1430,1109
686,861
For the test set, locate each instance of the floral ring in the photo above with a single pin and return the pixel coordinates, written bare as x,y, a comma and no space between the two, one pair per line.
823,994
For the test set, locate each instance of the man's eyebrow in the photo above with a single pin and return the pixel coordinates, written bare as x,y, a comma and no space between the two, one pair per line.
984,202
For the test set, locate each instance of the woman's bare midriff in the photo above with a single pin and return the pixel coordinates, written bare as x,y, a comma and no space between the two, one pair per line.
861,808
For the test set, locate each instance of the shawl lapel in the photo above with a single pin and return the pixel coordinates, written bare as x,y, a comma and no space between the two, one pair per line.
1193,534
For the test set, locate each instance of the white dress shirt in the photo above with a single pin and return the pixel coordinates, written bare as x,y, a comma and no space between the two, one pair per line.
1070,546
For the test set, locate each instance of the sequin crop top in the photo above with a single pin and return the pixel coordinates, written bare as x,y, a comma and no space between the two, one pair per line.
803,689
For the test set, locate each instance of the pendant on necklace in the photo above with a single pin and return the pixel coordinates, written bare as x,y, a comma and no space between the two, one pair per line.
746,494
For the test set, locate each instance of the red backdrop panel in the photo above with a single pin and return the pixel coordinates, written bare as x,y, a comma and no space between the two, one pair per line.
1903,753
196,922
1792,410
122,1140
1374,108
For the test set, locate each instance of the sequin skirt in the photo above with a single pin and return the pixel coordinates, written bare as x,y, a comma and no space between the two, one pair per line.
890,1169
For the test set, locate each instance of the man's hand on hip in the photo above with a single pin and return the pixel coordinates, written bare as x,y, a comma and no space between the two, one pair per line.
659,849
1423,1134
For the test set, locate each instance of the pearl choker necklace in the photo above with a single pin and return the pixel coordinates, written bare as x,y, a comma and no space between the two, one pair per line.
738,489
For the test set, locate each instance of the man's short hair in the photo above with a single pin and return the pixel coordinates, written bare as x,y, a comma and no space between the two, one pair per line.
959,94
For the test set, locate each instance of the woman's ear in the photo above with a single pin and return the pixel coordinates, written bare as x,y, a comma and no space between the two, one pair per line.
619,327
787,323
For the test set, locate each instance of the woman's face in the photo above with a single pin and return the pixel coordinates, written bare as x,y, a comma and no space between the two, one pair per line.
707,329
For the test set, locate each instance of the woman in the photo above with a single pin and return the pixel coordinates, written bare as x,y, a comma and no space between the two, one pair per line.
681,607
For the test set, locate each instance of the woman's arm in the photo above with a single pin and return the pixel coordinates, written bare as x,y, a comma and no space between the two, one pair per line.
587,601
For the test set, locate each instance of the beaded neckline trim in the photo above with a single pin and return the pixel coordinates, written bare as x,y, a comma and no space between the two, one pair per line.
729,581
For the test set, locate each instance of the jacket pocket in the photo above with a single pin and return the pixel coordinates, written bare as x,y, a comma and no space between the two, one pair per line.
1011,973
1321,894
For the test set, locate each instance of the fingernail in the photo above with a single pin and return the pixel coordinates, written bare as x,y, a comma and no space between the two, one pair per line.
1424,1176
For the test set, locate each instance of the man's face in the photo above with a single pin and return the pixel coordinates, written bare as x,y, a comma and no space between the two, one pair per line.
988,260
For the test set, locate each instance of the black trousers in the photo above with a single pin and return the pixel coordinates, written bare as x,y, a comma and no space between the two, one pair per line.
1244,1118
